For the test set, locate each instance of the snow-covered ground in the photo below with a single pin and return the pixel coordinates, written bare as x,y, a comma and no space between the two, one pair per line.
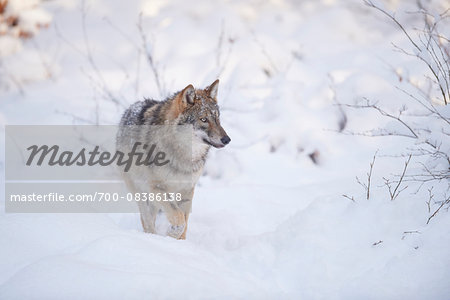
267,222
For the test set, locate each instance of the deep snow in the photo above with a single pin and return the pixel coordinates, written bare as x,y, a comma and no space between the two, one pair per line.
267,222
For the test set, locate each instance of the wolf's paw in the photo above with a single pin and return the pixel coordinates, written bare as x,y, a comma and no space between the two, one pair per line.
177,224
175,231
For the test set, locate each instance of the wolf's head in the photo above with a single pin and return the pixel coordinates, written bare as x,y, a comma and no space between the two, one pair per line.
199,108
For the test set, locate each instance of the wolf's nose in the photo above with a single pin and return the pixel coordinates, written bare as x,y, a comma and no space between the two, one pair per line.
225,140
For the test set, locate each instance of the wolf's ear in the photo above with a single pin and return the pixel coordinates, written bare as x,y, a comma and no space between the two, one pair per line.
181,102
213,89
188,94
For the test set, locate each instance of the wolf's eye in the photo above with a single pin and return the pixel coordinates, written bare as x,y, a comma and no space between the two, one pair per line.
203,120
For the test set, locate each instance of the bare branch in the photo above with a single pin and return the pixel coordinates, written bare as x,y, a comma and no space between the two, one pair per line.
366,186
149,56
349,198
386,114
396,191
446,201
377,243
392,17
103,85
429,51
431,195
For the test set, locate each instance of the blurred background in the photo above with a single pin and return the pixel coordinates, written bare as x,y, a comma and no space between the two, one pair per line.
335,184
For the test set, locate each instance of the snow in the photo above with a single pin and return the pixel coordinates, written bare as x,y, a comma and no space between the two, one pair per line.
267,222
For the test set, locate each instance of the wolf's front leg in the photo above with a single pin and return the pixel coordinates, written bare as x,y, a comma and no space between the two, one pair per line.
176,218
147,210
183,235
148,216
185,205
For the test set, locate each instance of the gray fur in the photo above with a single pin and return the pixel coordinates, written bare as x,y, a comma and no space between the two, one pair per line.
154,122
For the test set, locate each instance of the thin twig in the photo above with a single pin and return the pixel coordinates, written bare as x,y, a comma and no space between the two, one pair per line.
366,186
349,198
392,17
446,201
394,194
149,56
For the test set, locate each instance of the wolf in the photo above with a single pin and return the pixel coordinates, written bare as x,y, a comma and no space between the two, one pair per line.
157,122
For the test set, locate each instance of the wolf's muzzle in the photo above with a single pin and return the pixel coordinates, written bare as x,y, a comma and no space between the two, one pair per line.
225,140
